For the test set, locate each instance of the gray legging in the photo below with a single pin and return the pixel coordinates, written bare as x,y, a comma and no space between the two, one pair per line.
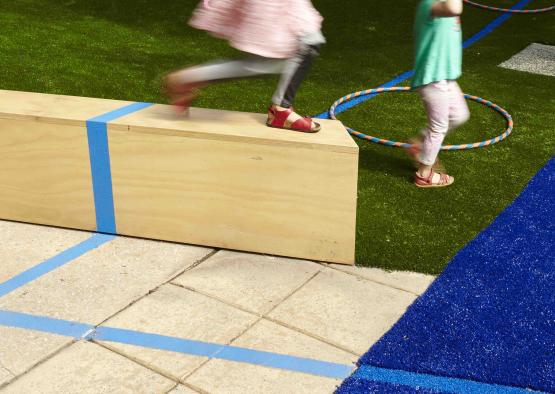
292,70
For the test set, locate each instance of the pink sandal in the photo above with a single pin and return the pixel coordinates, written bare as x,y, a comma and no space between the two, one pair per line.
441,180
278,119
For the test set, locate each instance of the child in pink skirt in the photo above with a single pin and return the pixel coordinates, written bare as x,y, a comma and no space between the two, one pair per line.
438,64
277,36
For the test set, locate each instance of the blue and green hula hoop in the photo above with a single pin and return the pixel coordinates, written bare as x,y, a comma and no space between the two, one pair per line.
396,144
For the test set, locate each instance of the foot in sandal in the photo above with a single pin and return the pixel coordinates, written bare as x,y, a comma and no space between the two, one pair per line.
414,152
432,179
286,118
181,94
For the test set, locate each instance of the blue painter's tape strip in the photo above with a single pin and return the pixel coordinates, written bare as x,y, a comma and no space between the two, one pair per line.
118,113
44,324
99,152
433,382
231,353
494,24
179,345
51,264
408,74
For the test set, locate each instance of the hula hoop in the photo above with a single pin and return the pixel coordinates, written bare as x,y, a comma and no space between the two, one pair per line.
397,144
510,10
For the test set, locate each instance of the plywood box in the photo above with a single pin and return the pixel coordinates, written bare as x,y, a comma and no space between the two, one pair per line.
215,178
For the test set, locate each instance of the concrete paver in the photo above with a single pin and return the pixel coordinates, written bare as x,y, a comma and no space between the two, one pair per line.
22,349
178,312
26,245
5,376
349,307
343,309
413,282
254,282
88,368
221,376
103,281
180,389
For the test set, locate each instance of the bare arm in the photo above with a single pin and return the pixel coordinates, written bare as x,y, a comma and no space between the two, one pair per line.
447,8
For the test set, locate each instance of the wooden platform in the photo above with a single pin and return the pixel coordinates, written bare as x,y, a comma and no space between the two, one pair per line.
216,178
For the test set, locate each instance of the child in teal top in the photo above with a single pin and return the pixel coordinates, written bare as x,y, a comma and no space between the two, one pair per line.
438,61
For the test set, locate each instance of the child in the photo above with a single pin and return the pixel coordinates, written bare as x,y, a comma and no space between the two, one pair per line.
438,62
277,36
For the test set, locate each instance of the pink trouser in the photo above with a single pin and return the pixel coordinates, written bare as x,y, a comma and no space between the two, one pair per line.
446,109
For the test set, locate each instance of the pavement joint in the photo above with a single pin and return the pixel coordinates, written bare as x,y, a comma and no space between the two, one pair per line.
42,361
260,317
312,335
152,368
181,272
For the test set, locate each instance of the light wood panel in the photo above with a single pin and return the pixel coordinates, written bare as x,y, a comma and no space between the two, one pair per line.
45,174
236,195
216,178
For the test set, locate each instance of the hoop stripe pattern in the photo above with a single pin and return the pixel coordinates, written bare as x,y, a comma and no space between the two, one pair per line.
509,10
397,144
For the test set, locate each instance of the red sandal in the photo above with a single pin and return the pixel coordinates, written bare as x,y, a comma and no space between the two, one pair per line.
278,119
432,180
181,95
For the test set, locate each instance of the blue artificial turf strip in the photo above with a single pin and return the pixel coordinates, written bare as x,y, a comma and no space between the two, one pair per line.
355,385
490,317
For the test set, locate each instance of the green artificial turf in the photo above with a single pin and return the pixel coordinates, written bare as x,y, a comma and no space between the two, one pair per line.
120,49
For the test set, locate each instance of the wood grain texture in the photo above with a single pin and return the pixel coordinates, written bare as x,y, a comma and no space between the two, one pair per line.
215,178
260,198
45,174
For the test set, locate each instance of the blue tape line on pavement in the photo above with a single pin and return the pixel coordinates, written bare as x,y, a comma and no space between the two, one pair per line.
433,382
408,74
51,264
44,324
99,152
173,344
224,352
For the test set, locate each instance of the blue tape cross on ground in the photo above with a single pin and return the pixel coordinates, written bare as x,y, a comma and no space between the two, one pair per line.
82,331
490,317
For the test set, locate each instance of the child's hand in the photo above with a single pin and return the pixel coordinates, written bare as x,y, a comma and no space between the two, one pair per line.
447,8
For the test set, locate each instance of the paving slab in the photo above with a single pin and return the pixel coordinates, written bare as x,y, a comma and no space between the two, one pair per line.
22,349
535,58
343,309
254,282
221,376
413,282
103,281
26,245
180,389
178,312
5,376
88,368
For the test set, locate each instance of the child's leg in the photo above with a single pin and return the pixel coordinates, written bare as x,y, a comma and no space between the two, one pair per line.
436,98
436,101
281,114
458,109
229,69
296,70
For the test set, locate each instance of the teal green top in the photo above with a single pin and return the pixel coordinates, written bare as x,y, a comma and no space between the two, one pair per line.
438,46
